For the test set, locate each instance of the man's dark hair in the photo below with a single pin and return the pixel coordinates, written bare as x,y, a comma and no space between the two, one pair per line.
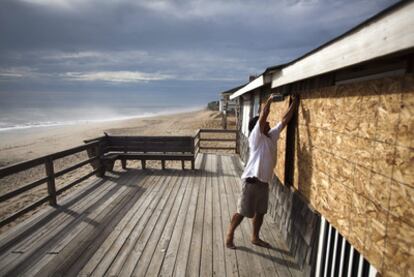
252,122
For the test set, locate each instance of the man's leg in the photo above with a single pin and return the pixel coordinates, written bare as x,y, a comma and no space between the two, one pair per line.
235,221
257,224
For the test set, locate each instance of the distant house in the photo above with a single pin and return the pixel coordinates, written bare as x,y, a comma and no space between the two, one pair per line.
226,104
343,192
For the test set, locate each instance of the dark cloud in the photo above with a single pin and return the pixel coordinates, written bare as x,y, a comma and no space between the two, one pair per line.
45,43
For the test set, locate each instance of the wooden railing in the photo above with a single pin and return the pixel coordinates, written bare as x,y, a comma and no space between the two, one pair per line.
231,137
48,163
95,148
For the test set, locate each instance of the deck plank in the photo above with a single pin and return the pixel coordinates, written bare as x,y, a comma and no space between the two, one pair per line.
206,266
167,245
178,237
126,255
219,259
30,231
230,255
148,223
194,258
119,250
114,241
40,247
167,214
185,245
86,235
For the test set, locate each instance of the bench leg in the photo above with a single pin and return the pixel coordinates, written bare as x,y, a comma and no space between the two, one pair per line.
192,165
163,164
101,172
182,164
123,162
143,164
108,165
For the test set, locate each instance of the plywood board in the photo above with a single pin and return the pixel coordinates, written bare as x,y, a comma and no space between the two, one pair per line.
363,152
339,205
362,178
405,130
374,244
342,171
358,222
383,158
378,190
404,163
402,202
399,253
343,145
277,110
354,161
368,115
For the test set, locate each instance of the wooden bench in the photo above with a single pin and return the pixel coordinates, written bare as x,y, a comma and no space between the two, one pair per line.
144,148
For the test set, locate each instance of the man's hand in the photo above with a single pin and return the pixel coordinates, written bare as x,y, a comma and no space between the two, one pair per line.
264,114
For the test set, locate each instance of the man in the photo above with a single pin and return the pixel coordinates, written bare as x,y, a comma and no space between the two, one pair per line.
258,173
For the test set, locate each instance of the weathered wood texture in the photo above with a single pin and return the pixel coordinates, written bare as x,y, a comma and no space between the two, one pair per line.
217,140
164,148
146,223
355,165
49,177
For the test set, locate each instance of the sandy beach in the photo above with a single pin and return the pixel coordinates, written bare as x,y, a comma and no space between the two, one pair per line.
20,145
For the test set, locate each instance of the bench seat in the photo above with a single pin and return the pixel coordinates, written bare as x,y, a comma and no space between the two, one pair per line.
110,158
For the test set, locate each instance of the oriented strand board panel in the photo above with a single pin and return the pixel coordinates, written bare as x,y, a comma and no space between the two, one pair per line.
277,110
354,163
399,252
375,234
405,129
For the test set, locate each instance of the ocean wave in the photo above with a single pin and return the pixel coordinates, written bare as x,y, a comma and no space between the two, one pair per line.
7,126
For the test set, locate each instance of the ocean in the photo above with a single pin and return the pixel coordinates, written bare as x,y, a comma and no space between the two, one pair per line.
42,109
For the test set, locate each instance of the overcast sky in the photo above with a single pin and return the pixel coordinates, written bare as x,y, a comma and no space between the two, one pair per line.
203,46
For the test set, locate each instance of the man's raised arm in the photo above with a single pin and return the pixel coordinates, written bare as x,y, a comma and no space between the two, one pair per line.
289,113
264,114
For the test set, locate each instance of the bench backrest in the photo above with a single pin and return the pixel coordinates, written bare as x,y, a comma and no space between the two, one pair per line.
149,144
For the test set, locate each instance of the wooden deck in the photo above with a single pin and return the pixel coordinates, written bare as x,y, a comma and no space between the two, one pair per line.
146,223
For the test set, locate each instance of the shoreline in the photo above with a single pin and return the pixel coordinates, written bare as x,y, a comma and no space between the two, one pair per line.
93,121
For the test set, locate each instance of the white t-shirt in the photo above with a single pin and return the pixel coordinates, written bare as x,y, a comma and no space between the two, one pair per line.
263,151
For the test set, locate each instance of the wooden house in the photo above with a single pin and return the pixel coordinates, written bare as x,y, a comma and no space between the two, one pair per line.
343,192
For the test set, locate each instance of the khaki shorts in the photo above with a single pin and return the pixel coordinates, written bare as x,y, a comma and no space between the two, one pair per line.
254,198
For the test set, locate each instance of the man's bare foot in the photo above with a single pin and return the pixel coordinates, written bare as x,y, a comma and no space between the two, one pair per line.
229,242
261,243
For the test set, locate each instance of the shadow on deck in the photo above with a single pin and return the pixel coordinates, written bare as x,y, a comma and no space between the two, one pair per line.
147,223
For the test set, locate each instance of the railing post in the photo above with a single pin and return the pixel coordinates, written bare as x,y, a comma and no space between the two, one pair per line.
193,152
51,187
237,142
99,149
